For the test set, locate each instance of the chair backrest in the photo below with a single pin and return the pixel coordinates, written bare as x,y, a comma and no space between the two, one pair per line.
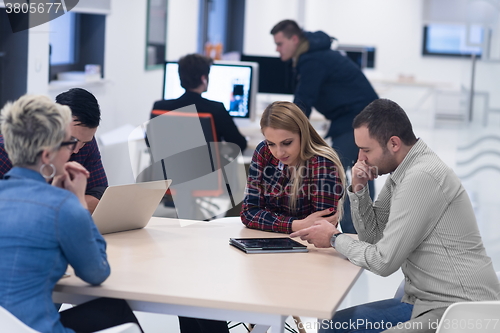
400,292
183,147
206,120
471,317
185,144
10,323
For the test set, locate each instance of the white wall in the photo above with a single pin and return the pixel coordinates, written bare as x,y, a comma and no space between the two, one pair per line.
129,91
394,27
260,17
132,89
38,62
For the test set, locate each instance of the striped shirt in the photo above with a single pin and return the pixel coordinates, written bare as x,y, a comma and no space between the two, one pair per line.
423,222
267,196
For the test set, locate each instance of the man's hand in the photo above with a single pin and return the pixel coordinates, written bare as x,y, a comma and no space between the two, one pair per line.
316,216
361,173
319,234
91,202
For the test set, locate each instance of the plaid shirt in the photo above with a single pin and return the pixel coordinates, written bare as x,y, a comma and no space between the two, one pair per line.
267,196
89,156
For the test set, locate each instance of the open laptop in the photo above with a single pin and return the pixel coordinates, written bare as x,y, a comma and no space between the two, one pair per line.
127,207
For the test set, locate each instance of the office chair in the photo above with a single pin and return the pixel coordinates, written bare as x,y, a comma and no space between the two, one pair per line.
471,317
183,147
9,323
467,316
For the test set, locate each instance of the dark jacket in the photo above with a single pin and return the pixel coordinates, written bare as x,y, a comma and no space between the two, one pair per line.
224,125
332,83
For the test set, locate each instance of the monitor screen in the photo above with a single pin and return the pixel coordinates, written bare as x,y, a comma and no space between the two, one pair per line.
363,56
452,40
275,76
231,83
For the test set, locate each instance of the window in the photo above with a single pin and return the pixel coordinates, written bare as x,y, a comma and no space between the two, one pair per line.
76,40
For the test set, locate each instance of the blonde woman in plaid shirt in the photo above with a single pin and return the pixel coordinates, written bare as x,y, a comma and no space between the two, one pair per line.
295,178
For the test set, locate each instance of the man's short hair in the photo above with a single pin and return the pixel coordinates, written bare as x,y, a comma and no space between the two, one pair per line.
83,105
289,28
384,119
191,68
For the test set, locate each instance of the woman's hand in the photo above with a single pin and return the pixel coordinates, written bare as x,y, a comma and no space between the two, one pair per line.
317,216
74,180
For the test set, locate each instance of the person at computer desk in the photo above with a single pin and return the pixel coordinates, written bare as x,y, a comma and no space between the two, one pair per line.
295,178
86,117
193,74
329,82
44,228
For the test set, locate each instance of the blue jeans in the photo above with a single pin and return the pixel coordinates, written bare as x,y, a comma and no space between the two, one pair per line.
345,146
371,317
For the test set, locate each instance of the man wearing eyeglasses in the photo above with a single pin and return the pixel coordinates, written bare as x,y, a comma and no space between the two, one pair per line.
86,118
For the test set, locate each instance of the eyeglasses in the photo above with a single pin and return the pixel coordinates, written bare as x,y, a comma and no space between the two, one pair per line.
71,144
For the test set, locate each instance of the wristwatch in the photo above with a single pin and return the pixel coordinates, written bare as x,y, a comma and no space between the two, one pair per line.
334,238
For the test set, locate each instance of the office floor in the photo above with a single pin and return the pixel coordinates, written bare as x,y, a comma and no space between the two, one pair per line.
472,151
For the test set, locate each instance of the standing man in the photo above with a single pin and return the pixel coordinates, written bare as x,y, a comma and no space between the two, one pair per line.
86,118
421,222
330,82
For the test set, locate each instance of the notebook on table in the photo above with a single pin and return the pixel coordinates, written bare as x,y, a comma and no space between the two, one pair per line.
127,207
268,245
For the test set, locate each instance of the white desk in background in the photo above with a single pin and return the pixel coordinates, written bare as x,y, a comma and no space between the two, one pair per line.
192,271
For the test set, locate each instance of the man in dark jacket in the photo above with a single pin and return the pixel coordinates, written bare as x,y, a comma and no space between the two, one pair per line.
329,82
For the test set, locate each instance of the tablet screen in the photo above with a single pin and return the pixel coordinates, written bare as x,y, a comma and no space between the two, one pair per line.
283,244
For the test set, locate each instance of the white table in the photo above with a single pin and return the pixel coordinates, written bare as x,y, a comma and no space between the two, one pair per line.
175,267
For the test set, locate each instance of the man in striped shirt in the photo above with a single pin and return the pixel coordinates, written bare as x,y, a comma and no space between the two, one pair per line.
422,221
86,117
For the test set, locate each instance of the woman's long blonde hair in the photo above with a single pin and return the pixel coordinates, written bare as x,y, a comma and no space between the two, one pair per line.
288,116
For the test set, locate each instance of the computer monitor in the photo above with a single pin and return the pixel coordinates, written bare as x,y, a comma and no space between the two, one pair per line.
458,40
363,56
275,76
233,83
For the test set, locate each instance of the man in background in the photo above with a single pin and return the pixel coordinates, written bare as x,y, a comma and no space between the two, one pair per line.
193,74
86,118
329,82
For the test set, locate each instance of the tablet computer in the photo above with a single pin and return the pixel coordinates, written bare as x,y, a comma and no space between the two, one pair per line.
267,245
